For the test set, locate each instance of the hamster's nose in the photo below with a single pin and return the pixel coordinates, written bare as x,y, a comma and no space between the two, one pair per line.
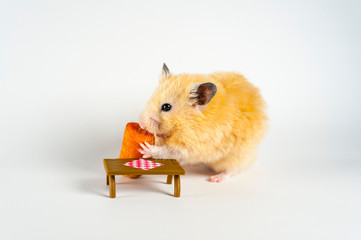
154,122
141,125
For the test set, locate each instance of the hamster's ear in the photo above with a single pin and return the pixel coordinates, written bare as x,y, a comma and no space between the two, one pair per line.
203,93
165,71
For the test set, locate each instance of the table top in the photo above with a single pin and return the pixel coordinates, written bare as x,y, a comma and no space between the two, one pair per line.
115,167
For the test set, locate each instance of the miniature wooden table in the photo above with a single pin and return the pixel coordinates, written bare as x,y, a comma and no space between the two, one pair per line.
170,168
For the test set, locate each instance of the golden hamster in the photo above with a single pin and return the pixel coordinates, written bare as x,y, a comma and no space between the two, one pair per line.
216,119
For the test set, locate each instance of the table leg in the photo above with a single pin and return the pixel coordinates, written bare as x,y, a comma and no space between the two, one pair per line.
177,186
169,179
107,180
112,189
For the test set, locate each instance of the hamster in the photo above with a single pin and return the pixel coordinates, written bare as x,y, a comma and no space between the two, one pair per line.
216,119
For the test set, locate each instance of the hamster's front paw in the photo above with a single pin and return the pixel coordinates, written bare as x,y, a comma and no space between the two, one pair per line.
150,150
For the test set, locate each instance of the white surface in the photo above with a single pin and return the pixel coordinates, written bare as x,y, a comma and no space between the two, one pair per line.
73,73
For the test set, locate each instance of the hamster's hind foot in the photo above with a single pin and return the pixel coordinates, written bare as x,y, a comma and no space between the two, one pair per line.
219,177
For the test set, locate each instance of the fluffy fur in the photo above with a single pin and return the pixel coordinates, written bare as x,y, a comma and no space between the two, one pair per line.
222,134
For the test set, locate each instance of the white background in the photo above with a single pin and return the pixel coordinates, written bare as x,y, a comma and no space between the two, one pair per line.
73,73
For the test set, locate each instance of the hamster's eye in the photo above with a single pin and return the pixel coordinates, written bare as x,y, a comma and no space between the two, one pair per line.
166,107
